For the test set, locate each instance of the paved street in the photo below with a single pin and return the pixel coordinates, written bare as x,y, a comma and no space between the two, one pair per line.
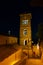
35,61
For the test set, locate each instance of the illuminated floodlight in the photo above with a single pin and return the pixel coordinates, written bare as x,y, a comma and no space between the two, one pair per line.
37,46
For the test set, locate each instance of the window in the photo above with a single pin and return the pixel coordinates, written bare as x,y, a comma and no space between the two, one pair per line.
25,32
24,21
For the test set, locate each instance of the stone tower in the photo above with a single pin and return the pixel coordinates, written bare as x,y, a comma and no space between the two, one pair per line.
25,29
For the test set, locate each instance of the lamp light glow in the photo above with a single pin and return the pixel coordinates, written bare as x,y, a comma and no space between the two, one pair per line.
37,46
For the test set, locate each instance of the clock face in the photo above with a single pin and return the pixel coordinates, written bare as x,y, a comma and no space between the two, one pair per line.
25,32
24,21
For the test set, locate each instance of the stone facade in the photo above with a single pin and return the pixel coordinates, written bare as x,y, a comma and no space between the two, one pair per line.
7,40
25,29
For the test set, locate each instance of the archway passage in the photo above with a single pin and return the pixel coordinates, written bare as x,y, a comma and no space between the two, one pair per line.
25,42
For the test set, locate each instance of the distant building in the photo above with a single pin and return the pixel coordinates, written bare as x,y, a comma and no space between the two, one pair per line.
7,40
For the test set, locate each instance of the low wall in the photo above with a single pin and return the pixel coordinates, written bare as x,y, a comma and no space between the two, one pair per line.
12,59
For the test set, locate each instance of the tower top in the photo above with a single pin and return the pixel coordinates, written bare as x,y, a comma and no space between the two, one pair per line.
26,14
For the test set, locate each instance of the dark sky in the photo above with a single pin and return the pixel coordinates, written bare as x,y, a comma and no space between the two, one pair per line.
36,3
9,16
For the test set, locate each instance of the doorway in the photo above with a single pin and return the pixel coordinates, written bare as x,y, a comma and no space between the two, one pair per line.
25,42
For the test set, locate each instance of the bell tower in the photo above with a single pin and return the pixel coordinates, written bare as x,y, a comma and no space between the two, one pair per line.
25,29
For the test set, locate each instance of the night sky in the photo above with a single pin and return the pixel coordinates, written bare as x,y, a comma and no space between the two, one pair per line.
9,17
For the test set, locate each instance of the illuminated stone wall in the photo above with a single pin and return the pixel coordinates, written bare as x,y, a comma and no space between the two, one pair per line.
3,39
7,40
12,40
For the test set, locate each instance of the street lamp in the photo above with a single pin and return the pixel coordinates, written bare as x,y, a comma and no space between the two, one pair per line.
9,32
